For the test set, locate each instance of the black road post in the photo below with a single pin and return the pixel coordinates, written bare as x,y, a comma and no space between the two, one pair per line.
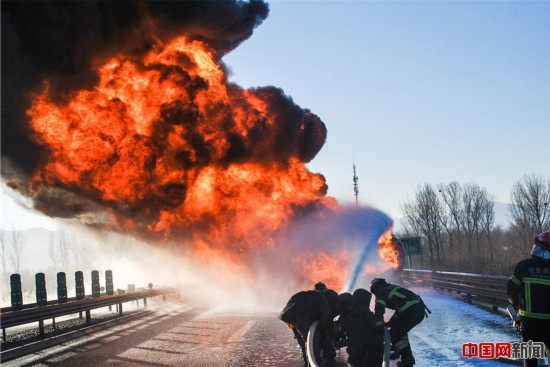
16,293
61,290
79,287
16,297
109,289
61,287
41,295
41,298
96,290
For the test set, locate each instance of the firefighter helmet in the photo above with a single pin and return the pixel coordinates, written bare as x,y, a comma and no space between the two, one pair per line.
543,240
541,248
376,284
362,297
320,286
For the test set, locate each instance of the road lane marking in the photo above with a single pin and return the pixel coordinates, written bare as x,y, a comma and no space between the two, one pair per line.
237,335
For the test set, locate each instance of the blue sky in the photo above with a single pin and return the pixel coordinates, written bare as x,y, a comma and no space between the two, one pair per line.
413,91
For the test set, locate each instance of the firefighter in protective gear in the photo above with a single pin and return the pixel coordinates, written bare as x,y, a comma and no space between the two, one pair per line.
529,291
365,340
320,286
409,312
303,309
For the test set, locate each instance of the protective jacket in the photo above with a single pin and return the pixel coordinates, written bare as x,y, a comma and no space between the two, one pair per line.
307,306
396,298
301,311
529,288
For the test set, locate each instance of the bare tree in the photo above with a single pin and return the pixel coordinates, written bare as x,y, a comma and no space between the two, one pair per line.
488,220
15,243
79,251
53,251
474,199
531,205
424,216
453,211
4,253
59,249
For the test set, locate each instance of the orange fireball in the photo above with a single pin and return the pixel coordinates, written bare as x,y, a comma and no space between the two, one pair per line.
329,268
170,147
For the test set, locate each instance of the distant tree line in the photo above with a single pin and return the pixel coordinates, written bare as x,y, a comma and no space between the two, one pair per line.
67,253
457,224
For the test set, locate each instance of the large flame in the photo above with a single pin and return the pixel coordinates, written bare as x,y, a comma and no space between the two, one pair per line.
389,251
165,146
168,145
331,269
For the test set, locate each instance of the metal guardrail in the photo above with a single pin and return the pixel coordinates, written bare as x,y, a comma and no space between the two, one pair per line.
51,311
488,288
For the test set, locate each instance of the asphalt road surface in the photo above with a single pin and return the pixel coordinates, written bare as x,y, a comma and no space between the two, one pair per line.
179,335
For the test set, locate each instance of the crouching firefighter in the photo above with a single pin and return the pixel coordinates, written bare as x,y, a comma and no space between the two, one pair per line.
529,291
365,340
303,309
410,310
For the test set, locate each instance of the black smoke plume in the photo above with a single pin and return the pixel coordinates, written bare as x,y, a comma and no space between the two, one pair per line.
62,39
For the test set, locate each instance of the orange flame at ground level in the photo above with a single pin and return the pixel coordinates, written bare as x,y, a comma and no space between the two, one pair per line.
169,147
388,250
329,268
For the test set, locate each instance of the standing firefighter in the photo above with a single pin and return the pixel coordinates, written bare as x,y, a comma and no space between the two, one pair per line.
409,312
529,291
303,309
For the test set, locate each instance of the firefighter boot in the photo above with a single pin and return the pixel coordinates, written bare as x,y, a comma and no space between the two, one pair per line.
394,355
407,359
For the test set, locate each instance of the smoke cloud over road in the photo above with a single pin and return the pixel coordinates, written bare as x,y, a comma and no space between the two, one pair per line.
120,115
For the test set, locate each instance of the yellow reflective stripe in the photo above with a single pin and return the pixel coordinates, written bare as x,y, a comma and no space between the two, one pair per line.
528,305
535,315
400,345
537,281
396,293
408,304
516,281
381,301
528,297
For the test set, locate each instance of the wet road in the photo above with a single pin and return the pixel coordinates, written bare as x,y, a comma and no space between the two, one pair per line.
180,336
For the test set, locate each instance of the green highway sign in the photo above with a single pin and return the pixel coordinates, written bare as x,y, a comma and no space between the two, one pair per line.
413,245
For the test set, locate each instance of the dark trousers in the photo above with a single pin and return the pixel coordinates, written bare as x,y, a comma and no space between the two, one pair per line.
302,343
301,330
371,355
536,330
401,324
